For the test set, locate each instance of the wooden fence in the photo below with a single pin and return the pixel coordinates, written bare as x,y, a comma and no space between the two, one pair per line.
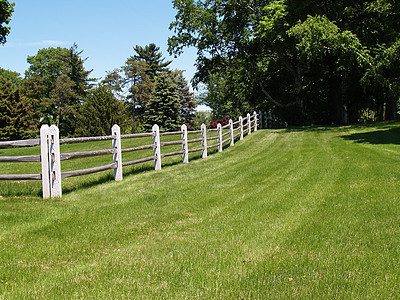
51,157
268,120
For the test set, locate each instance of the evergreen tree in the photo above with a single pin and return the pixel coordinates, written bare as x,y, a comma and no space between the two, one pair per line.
62,99
141,71
163,106
77,73
139,87
33,89
99,112
16,120
152,56
187,106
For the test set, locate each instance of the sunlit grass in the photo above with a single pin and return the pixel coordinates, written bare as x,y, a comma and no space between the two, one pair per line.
298,213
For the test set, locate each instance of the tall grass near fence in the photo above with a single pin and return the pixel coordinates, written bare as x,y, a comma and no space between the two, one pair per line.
299,213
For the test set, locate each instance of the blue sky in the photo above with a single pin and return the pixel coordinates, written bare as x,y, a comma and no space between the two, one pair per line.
106,31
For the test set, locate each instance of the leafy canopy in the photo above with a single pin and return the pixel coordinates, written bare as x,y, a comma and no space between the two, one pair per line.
304,59
6,10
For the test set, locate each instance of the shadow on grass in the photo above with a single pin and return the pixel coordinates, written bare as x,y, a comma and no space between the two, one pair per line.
388,136
88,183
379,126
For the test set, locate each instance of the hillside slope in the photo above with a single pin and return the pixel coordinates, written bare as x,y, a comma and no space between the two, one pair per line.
302,213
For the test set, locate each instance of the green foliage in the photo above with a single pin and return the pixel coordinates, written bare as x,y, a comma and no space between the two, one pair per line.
34,89
187,103
64,106
114,82
141,71
99,112
140,87
6,10
164,103
317,38
61,72
12,76
202,117
301,59
151,55
366,115
16,116
49,64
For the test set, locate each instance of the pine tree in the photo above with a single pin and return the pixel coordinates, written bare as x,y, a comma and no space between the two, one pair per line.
163,106
152,56
187,106
16,120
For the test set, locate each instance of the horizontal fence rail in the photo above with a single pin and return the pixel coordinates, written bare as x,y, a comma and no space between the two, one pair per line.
51,156
20,143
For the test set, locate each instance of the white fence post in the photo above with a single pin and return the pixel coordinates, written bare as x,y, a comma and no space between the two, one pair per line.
231,132
241,127
219,132
249,124
54,162
185,148
44,158
204,141
157,150
117,156
255,121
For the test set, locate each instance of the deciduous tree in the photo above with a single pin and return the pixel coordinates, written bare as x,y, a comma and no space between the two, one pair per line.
6,10
65,81
304,59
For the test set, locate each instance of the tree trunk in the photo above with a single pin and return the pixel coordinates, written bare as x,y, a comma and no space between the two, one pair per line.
335,100
133,119
380,110
391,109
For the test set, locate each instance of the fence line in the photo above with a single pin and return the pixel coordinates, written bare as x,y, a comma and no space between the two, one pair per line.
268,120
51,157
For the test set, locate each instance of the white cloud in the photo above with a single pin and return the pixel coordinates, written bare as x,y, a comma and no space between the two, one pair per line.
54,43
44,43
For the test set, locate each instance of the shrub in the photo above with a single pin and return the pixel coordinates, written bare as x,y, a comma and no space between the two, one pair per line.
366,115
224,121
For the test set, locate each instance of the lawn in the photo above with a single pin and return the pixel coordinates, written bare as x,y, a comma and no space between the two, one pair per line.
308,212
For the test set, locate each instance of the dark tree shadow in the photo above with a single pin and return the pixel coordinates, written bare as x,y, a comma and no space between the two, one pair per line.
388,136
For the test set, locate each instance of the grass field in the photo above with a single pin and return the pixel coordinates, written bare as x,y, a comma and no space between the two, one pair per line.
293,213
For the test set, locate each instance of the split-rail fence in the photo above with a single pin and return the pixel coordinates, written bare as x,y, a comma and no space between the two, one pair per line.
51,156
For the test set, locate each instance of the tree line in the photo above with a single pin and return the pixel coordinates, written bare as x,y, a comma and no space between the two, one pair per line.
326,61
56,89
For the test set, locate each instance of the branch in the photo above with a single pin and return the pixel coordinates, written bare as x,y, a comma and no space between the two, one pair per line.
274,101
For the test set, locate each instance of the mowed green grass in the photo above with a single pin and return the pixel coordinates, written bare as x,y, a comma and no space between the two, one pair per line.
297,213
